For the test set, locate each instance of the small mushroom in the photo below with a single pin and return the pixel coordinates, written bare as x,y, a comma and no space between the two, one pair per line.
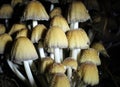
90,55
60,80
56,38
77,40
57,11
100,48
16,27
61,22
77,12
24,51
35,11
70,64
88,73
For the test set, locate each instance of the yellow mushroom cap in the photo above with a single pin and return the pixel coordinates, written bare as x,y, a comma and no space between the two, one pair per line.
38,33
6,11
61,22
70,62
90,55
57,68
4,40
15,2
35,11
45,64
77,12
22,33
2,29
78,39
56,37
60,80
100,48
23,49
55,12
16,27
89,73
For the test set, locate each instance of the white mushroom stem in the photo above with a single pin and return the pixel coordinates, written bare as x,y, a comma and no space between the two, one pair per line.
6,23
61,54
41,52
74,53
29,74
51,6
57,55
69,73
74,25
34,23
52,53
17,72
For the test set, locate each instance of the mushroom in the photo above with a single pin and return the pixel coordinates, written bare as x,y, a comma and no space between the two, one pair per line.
100,48
5,43
60,80
2,29
88,74
77,12
38,33
16,27
5,39
15,2
61,22
57,11
35,11
45,64
57,68
90,55
24,51
77,40
43,68
70,64
6,12
22,33
56,38
37,36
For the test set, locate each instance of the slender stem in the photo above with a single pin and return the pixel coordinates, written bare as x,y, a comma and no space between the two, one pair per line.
29,73
74,53
6,23
76,25
57,55
52,53
35,23
71,26
51,6
52,56
69,73
41,52
61,55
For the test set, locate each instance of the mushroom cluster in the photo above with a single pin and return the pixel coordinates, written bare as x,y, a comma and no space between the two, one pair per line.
51,49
